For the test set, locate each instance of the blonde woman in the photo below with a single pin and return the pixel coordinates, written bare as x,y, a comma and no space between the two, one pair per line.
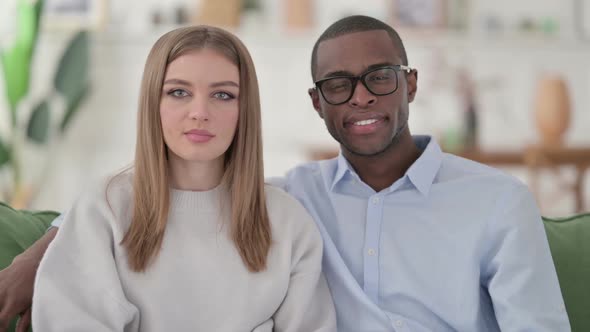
190,238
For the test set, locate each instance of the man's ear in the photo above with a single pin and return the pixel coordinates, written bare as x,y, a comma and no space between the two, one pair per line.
315,100
412,79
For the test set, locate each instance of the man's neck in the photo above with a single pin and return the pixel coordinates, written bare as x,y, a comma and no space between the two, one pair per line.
382,170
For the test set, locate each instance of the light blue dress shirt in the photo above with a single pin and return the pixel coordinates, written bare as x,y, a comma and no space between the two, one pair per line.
453,245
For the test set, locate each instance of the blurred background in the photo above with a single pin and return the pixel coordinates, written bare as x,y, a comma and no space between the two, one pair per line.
503,82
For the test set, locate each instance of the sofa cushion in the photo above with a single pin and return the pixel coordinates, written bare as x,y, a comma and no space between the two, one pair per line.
569,240
19,230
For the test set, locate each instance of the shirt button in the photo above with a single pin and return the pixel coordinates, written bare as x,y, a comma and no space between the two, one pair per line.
375,200
371,252
399,323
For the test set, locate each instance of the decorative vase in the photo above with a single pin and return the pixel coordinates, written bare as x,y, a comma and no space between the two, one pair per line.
552,110
299,14
221,13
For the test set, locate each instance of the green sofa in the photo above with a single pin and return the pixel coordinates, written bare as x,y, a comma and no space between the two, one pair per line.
18,231
569,240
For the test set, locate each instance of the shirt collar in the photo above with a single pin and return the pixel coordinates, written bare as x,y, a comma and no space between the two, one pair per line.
421,173
342,167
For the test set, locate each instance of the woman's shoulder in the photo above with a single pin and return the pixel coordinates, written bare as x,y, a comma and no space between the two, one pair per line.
277,198
109,189
109,196
286,212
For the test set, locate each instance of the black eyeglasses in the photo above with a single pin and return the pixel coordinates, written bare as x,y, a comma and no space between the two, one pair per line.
382,81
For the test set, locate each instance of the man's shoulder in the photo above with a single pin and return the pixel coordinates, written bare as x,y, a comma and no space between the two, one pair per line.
469,172
308,168
313,170
301,174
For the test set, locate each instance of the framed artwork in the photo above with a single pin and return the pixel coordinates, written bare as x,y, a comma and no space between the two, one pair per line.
419,13
74,14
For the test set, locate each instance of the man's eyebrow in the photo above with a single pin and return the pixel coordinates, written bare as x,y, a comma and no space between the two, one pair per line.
379,65
347,73
338,73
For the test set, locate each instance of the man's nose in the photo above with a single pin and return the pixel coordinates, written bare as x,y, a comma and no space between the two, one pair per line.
362,97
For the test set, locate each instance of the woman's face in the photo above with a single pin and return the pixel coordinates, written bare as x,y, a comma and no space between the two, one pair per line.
199,107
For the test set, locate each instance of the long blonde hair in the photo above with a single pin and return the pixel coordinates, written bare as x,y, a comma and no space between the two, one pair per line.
243,177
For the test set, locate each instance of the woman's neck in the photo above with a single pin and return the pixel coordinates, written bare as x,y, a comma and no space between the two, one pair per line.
195,175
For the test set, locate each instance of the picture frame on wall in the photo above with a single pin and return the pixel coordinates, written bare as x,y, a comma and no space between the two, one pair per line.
419,14
74,14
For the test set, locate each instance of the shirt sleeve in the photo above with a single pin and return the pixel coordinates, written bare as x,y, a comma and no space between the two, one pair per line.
518,269
58,220
308,305
77,286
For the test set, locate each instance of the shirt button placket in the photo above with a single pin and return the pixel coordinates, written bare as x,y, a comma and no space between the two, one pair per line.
372,235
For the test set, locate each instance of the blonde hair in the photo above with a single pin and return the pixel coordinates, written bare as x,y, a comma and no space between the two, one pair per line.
243,176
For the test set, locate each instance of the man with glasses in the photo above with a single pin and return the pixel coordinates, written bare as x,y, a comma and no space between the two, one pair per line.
414,239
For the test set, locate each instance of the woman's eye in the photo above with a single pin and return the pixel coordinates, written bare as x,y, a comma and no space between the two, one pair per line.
223,96
178,93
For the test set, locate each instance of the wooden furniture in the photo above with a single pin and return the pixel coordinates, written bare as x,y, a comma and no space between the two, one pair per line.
534,158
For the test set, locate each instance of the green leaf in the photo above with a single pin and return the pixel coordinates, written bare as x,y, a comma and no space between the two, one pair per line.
15,65
4,154
38,128
16,61
72,108
29,15
72,72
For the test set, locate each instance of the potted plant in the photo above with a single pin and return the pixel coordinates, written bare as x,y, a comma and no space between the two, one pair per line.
42,125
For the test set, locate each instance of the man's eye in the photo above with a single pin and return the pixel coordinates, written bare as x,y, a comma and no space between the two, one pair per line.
338,85
380,78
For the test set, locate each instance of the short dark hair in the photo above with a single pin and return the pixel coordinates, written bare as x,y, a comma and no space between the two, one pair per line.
357,23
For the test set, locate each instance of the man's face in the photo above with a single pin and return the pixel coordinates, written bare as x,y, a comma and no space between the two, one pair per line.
366,125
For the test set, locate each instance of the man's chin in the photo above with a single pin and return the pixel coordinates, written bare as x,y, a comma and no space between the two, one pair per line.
364,151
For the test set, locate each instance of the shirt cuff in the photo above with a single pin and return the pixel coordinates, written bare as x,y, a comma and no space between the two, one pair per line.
57,221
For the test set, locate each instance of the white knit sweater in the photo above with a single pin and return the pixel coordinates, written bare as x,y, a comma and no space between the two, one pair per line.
198,282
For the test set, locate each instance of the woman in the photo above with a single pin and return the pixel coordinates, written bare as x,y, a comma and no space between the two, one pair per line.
190,238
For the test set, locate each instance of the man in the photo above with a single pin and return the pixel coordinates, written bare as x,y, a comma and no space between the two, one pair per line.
414,239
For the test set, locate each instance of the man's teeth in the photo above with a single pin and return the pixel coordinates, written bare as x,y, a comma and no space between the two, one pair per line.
365,122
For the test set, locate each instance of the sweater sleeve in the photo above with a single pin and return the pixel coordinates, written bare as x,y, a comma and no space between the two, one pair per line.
308,305
77,287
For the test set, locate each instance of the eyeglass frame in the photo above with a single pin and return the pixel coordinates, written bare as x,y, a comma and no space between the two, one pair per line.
361,78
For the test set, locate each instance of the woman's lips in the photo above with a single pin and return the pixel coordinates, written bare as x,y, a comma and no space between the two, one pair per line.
199,136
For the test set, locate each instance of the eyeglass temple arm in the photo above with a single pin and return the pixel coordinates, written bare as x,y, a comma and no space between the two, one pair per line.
406,68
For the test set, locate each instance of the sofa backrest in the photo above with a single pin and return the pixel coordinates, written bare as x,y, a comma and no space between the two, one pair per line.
569,240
